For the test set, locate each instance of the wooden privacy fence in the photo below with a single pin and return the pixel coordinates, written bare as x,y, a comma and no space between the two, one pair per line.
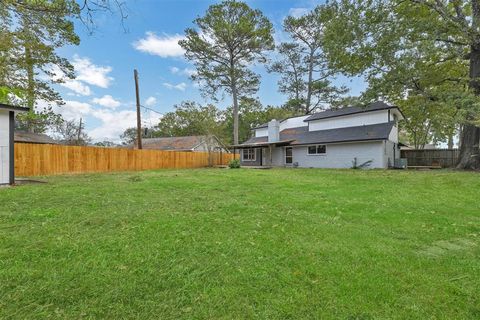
47,159
446,158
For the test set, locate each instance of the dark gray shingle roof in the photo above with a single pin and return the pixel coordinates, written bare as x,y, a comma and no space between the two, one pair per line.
27,137
12,108
301,135
379,105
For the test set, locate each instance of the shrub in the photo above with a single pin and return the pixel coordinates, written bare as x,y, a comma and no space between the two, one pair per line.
234,164
356,165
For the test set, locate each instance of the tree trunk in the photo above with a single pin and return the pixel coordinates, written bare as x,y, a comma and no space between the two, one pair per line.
450,142
469,151
469,147
309,84
235,114
30,85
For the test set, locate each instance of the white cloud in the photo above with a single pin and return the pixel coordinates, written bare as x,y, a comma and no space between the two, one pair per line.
107,101
90,73
181,86
186,72
151,101
77,87
174,70
114,123
164,46
189,72
298,12
73,110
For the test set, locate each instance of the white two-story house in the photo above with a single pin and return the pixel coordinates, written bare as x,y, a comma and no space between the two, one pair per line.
328,139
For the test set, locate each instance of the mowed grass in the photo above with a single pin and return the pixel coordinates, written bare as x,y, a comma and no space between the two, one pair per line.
243,244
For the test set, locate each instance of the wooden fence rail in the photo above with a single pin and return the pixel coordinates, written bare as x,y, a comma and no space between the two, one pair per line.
46,159
446,158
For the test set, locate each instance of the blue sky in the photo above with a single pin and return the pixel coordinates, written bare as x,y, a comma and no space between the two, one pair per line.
103,93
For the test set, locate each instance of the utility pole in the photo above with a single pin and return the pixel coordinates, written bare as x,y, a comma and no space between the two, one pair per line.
79,134
139,120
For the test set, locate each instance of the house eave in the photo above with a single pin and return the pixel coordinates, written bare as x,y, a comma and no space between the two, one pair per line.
338,142
262,144
8,107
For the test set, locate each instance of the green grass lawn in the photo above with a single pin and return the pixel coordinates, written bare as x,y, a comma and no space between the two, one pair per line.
235,244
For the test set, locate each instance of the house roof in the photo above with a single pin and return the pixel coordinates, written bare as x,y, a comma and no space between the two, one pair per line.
301,135
12,108
27,137
375,106
265,125
187,143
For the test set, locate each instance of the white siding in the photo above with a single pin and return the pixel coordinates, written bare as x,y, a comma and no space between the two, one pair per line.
392,152
393,136
353,120
285,124
262,132
293,123
278,157
338,155
4,147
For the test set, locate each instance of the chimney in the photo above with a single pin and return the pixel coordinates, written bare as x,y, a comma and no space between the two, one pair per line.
273,131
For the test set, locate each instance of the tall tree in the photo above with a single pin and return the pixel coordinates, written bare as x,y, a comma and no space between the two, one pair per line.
305,73
228,40
33,32
415,48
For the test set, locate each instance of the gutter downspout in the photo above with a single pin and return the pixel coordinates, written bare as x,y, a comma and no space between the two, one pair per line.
11,153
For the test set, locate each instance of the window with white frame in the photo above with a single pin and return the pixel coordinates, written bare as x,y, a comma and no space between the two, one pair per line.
317,150
248,154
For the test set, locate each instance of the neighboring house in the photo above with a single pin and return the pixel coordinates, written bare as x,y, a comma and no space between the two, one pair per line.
189,143
7,125
328,139
35,138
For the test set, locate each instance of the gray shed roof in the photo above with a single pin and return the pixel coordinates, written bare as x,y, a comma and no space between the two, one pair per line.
12,108
375,106
301,135
27,137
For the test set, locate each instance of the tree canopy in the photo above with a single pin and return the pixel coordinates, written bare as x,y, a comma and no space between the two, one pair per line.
416,51
31,33
229,38
305,73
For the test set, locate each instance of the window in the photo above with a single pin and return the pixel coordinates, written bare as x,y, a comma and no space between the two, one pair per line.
248,154
319,149
288,155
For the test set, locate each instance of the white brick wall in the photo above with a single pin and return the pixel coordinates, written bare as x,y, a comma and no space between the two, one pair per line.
341,155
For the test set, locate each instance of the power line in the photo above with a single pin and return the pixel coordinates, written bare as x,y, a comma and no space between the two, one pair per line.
152,110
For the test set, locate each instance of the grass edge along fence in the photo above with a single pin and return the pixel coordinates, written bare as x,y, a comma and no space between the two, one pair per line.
49,159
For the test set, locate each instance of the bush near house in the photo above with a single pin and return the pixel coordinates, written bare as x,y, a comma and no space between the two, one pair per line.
234,164
234,244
